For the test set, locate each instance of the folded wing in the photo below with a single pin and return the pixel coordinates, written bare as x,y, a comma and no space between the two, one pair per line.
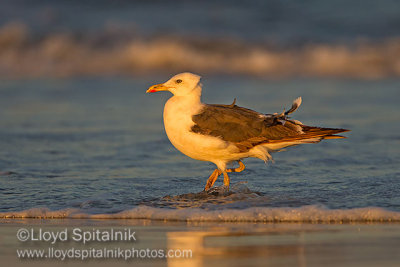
247,128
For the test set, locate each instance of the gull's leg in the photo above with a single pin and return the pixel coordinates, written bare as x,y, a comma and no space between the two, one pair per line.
239,169
211,180
226,179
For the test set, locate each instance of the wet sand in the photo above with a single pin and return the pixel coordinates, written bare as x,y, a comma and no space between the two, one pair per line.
221,244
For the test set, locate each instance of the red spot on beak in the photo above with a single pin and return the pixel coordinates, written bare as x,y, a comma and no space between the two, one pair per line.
157,88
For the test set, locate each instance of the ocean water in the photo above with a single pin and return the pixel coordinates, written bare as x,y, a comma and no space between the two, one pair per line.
258,38
96,148
285,22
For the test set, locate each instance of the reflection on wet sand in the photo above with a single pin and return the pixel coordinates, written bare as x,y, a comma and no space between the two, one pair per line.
223,244
292,245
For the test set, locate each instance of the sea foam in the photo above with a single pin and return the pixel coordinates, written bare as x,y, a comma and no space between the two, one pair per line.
309,214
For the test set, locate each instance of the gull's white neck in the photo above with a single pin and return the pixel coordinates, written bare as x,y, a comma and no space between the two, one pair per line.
178,112
189,103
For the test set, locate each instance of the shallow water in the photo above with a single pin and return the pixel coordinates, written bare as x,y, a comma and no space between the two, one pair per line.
97,146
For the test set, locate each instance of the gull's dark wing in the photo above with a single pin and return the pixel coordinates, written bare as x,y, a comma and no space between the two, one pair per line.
247,128
241,125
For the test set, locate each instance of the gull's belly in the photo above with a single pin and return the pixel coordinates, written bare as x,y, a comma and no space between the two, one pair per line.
194,145
178,123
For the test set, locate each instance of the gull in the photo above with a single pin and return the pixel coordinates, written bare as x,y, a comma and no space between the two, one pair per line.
222,134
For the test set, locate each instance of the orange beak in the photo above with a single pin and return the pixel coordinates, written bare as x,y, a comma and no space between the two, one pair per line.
157,88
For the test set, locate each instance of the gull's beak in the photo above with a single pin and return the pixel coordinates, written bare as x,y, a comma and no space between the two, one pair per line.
157,88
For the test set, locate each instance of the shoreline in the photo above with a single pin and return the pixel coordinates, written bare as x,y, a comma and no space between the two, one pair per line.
230,244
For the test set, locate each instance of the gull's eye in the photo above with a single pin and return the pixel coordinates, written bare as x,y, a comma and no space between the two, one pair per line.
178,81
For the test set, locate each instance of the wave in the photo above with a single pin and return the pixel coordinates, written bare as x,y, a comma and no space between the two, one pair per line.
219,204
306,214
23,54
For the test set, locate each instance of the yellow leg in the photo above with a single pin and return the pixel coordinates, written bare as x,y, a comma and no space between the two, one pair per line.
239,169
216,173
226,179
211,180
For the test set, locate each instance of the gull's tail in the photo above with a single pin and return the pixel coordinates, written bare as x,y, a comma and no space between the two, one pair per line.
311,135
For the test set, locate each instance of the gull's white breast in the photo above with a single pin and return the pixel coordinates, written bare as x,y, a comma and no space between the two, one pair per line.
178,112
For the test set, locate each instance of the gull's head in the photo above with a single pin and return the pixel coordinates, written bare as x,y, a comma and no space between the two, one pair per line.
180,85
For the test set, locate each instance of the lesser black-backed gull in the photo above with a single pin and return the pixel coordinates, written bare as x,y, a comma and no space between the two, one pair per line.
225,133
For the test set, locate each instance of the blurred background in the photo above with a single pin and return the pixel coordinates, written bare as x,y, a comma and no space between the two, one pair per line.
77,129
274,38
